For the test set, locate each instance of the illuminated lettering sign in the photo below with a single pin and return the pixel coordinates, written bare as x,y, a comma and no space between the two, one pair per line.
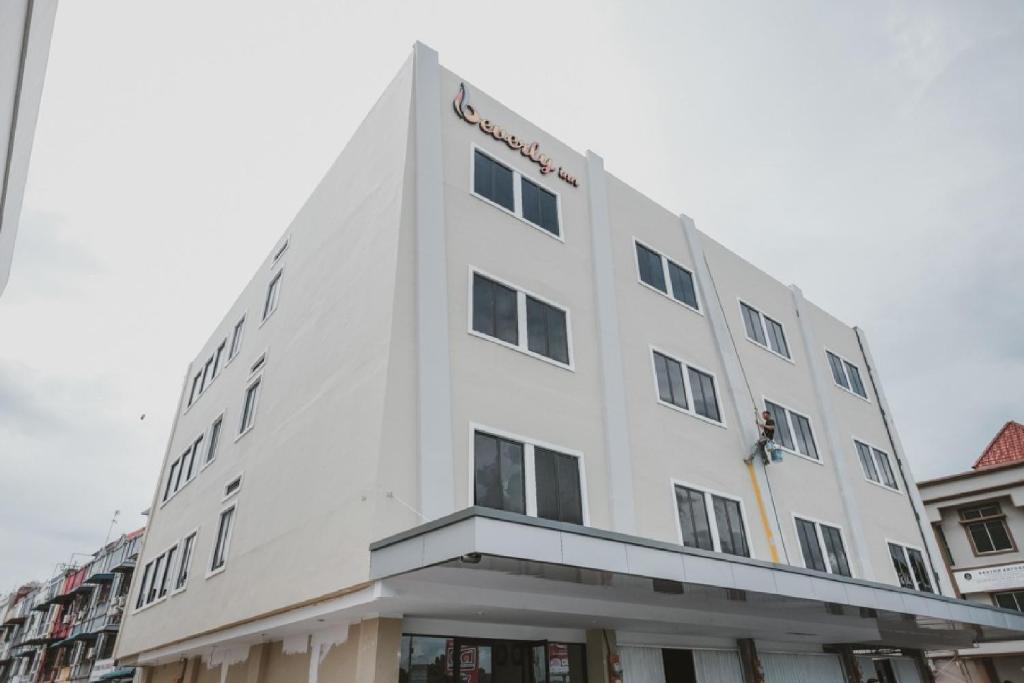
468,113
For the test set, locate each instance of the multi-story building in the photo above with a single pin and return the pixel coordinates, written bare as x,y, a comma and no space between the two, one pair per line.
486,413
978,516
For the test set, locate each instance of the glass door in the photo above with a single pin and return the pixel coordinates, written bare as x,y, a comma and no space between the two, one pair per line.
471,661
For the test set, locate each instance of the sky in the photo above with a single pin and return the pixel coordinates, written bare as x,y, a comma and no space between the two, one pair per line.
870,152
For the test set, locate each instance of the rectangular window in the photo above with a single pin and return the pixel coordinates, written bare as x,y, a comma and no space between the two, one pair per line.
711,522
822,547
158,565
876,465
252,394
207,375
493,181
666,276
220,547
500,480
764,331
986,528
193,458
168,567
511,190
752,323
846,375
236,338
814,558
685,388
194,394
498,312
540,207
793,431
273,293
233,486
211,448
1010,600
910,567
143,589
776,337
217,357
558,486
188,546
172,477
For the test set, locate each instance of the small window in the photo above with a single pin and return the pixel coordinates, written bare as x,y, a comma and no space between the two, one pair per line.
280,252
252,394
986,529
207,375
1010,600
193,458
158,565
846,375
211,448
143,588
711,522
236,338
168,564
172,477
690,390
540,207
220,547
187,548
764,331
273,293
493,181
217,357
910,568
666,276
194,393
258,364
793,431
876,465
822,547
233,486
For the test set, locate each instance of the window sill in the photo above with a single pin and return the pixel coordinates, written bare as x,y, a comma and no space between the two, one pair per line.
214,572
241,434
797,454
851,392
169,498
883,486
526,352
559,237
151,604
671,298
771,351
268,317
692,414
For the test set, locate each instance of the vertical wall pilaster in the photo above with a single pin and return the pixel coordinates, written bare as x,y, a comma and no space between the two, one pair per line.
377,656
601,647
749,661
436,463
616,419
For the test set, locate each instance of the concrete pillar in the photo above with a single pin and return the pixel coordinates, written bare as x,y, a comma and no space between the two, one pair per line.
923,670
602,648
750,662
851,669
256,665
191,670
377,655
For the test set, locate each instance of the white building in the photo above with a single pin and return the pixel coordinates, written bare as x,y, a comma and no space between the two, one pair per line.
977,516
25,30
486,408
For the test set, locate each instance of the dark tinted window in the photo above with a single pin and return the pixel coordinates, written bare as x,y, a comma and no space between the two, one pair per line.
693,518
494,310
492,180
546,330
888,478
838,373
558,486
899,563
1011,600
804,437
499,481
731,535
836,550
867,461
650,267
783,436
776,337
752,323
813,559
920,570
705,402
669,375
678,665
540,207
682,285
855,382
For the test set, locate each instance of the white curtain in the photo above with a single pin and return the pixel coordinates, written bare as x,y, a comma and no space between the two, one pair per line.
906,670
717,666
794,668
641,665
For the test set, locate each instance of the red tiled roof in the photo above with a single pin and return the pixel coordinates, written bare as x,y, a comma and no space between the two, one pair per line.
1006,447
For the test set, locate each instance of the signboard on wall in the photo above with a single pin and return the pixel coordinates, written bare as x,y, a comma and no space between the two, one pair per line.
987,579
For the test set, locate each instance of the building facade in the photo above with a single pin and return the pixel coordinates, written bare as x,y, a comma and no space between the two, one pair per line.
978,516
487,413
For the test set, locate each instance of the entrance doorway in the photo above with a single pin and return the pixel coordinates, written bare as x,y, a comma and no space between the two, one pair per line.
433,659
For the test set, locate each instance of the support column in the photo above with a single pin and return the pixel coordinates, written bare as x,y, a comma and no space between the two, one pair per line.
851,668
750,662
256,664
436,464
377,656
923,670
616,420
602,651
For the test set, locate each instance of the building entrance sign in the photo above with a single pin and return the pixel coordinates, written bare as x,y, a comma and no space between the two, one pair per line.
1005,577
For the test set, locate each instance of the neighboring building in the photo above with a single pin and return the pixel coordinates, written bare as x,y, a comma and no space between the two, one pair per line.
978,516
66,628
25,30
483,415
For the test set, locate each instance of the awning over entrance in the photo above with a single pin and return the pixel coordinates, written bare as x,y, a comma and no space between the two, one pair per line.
491,566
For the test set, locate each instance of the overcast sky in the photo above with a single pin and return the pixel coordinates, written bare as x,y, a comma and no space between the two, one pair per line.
871,152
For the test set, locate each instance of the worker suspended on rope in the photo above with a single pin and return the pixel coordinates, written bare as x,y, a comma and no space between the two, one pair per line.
770,451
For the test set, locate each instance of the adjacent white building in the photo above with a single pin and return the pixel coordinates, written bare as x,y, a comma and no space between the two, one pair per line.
484,414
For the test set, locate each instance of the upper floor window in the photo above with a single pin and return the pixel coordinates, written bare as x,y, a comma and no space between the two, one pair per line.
876,465
252,394
666,276
711,521
517,194
986,528
764,331
793,430
220,546
236,338
822,547
1010,600
910,567
685,388
846,375
519,476
205,376
187,548
273,293
183,469
520,320
214,441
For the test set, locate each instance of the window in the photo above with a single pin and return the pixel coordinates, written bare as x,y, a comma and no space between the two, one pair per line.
236,338
217,357
193,457
194,394
211,448
692,391
822,547
233,486
155,577
207,375
509,189
846,375
910,567
986,528
258,363
711,522
764,331
497,314
876,465
793,431
1010,600
519,476
252,394
273,292
142,585
280,252
171,478
168,564
220,548
666,276
187,547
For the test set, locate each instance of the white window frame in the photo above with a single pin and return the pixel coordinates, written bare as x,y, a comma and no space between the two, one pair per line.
281,250
210,572
181,561
524,341
709,508
154,580
789,422
670,293
233,349
242,429
762,316
821,543
517,192
906,556
892,465
230,481
686,383
209,440
278,277
180,461
843,361
529,466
